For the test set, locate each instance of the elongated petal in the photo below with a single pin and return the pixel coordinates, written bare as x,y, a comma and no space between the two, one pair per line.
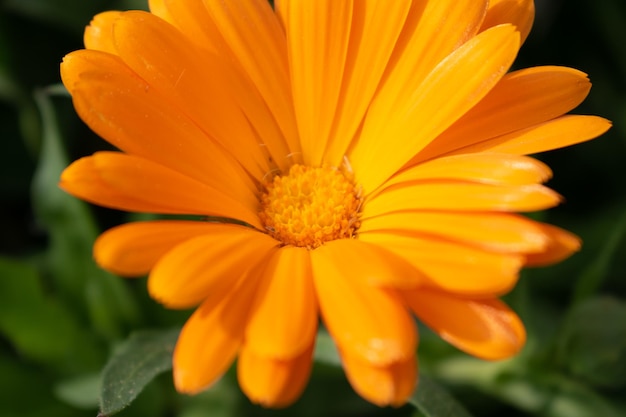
558,133
485,168
123,109
381,269
435,195
450,266
318,33
260,48
500,232
374,30
193,20
520,100
126,182
192,79
432,30
382,385
99,34
561,245
284,319
207,266
273,382
487,329
133,249
209,341
82,179
459,82
364,320
520,13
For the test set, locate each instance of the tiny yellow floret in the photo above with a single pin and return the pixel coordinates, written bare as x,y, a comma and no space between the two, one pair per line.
310,206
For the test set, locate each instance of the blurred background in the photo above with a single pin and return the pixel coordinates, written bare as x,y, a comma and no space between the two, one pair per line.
61,317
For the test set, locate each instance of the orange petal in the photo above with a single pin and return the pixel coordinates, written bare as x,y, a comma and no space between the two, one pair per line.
520,13
209,341
82,179
99,34
124,110
382,268
561,245
451,266
133,249
391,137
558,133
460,196
363,319
259,49
284,319
77,63
432,30
193,20
192,79
499,232
126,182
318,34
374,30
486,168
487,329
208,265
272,382
386,385
520,100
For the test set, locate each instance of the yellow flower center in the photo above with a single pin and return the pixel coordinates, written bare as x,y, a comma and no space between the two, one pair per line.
310,206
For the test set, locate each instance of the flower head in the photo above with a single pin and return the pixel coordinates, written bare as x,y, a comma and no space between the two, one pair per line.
366,159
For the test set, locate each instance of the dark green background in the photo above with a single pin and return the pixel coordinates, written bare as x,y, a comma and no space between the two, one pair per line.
61,317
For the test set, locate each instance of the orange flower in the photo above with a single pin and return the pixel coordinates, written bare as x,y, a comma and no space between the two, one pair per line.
361,161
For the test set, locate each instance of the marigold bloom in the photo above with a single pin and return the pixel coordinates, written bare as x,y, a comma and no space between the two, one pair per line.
371,153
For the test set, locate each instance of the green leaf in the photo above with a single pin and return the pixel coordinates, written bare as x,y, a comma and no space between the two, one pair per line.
592,277
72,231
219,401
593,342
325,349
434,401
142,357
80,392
537,391
37,325
26,391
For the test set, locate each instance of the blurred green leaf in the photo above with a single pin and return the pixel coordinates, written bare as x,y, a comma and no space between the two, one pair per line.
538,391
222,400
593,342
26,391
434,401
80,392
72,231
8,87
142,357
592,277
325,349
37,325
553,395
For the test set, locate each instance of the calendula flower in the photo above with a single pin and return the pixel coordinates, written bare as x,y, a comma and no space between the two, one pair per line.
361,162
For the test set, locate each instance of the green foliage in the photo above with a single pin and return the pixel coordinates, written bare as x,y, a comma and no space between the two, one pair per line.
133,366
72,231
592,344
433,401
39,327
